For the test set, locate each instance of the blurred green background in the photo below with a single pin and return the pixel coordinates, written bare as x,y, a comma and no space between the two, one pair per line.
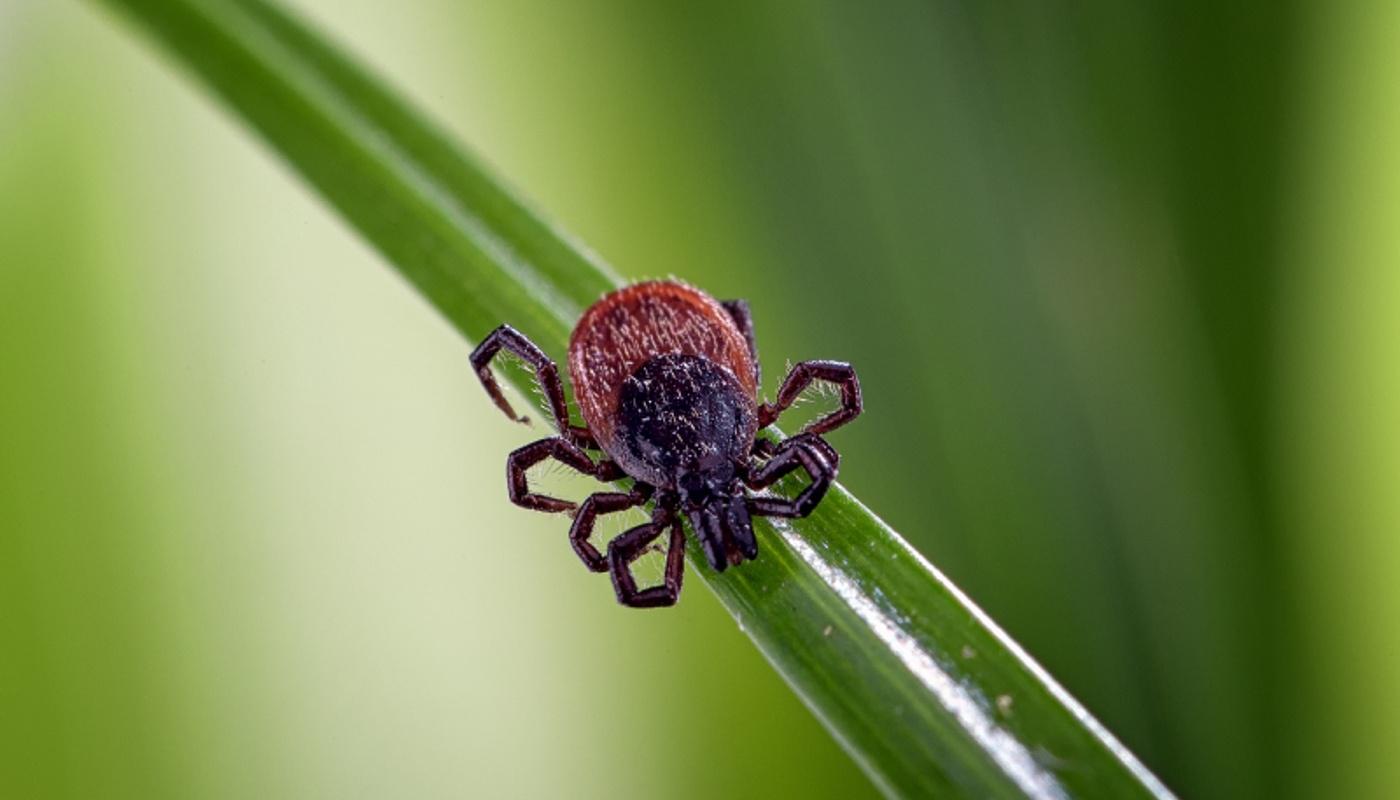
1122,281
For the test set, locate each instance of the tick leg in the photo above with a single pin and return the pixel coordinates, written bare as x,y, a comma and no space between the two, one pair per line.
765,448
739,312
802,376
593,507
561,450
806,450
546,373
623,550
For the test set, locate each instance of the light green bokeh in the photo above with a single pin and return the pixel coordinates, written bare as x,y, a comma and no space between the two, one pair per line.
1340,429
255,500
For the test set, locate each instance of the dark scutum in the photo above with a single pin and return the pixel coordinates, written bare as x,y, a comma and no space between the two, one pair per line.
684,423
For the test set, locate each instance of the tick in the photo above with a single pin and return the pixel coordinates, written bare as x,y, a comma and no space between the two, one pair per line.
667,380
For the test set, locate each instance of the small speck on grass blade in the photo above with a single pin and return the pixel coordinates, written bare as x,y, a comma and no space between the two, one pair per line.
922,689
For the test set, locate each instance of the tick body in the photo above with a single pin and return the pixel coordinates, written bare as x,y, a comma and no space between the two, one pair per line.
666,379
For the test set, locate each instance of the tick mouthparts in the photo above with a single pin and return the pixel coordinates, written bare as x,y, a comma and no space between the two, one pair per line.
725,532
739,526
711,535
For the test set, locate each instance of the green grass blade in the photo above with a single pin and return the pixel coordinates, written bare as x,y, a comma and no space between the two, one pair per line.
927,694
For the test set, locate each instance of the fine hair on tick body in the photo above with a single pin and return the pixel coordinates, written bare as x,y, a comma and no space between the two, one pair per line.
667,380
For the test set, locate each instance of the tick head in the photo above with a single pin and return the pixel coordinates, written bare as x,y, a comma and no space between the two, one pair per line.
719,515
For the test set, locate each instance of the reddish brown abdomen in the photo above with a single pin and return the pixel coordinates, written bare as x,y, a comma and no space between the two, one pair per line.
629,327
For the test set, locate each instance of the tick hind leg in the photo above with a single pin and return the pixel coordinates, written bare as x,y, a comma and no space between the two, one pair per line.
839,373
593,507
546,373
625,549
559,449
806,450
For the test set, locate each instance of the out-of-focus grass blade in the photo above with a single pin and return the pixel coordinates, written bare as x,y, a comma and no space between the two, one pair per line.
927,694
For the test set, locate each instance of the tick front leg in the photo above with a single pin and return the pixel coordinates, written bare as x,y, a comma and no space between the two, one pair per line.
625,549
765,448
806,450
546,374
841,374
565,452
593,507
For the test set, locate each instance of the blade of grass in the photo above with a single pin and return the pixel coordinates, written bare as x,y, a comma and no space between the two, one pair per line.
924,691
